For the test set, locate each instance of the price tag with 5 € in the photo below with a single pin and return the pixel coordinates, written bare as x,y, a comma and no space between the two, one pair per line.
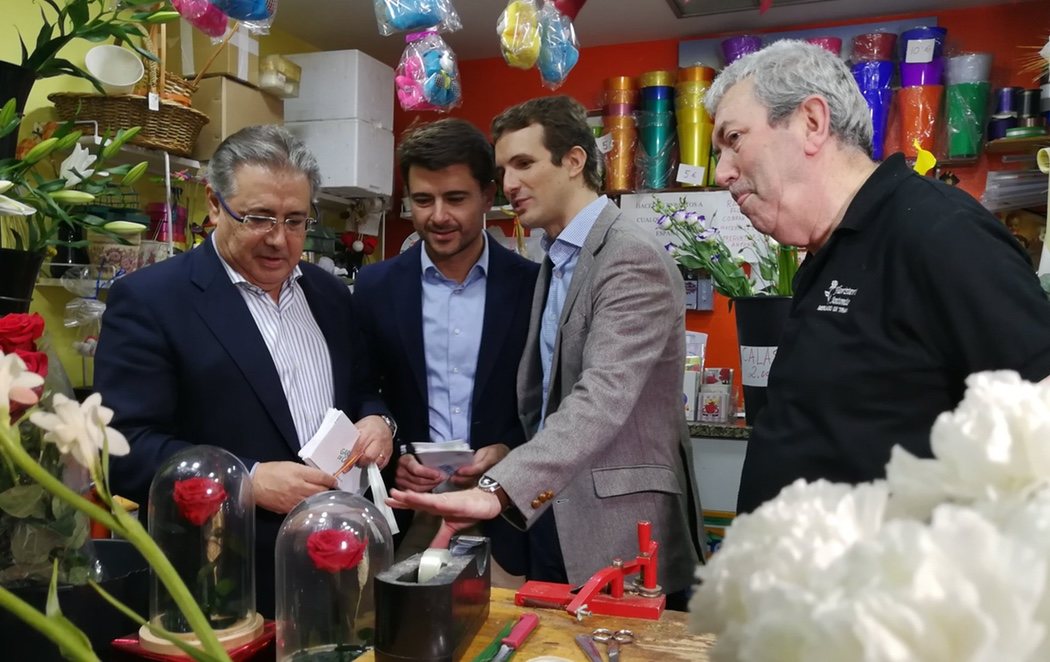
690,174
605,143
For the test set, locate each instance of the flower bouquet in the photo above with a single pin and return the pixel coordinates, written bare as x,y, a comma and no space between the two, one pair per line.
697,245
77,433
39,194
36,531
946,559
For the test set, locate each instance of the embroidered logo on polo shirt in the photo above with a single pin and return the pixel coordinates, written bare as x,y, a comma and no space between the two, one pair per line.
839,298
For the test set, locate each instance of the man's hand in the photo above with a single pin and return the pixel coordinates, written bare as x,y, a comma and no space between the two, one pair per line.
375,442
413,476
280,486
459,509
484,459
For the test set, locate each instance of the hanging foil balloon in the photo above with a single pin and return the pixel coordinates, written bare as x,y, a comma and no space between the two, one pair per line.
245,10
203,15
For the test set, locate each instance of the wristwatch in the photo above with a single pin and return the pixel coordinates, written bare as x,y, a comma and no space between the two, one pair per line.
390,423
492,486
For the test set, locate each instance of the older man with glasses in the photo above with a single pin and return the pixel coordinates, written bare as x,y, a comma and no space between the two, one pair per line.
238,344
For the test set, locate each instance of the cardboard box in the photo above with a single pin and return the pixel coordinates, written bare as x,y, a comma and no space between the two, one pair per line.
356,157
239,59
231,105
343,85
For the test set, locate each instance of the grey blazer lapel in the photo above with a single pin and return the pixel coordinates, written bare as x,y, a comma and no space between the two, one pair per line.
530,372
581,276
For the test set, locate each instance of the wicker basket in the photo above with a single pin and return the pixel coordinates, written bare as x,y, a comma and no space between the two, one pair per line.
174,128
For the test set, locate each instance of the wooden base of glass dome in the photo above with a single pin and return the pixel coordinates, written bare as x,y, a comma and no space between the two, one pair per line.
240,633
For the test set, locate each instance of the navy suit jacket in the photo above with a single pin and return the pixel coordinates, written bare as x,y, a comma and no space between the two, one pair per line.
181,362
389,300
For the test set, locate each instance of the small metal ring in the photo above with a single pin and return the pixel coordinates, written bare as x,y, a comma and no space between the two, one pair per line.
602,635
624,636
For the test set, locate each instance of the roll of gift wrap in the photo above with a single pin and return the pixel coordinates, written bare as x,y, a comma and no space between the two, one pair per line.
920,107
967,113
879,107
925,73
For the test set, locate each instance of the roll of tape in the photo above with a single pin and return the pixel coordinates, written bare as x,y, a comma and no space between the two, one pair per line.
431,563
1042,157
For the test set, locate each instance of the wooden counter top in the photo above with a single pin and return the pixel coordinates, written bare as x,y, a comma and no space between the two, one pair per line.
665,640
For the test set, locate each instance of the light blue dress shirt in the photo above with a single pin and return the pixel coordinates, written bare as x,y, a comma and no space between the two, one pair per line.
453,315
563,253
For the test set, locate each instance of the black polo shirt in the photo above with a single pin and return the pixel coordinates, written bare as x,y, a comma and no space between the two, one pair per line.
917,288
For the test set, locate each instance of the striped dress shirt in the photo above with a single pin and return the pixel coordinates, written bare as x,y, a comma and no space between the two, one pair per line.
297,347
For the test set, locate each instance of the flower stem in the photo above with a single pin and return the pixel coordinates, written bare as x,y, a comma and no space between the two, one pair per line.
195,653
14,451
120,522
70,646
132,530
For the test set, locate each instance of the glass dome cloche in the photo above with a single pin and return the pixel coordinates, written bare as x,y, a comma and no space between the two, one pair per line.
202,516
329,550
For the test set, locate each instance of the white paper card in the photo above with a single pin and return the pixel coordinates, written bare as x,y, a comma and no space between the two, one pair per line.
690,174
330,447
920,50
379,496
154,101
446,456
755,363
605,143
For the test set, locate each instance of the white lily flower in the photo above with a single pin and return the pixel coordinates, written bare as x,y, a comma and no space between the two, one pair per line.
12,207
81,429
17,383
5,185
76,167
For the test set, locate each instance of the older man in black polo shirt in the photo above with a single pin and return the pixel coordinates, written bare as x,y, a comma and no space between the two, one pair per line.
909,285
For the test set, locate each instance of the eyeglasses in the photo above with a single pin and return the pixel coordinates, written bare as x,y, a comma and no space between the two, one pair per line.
258,224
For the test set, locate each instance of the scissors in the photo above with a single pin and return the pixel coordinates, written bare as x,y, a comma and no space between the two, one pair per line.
613,640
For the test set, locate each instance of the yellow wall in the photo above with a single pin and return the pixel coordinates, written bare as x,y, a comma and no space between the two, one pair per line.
24,16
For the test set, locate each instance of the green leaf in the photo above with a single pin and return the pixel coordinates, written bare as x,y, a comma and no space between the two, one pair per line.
32,543
78,575
24,501
46,30
78,13
60,508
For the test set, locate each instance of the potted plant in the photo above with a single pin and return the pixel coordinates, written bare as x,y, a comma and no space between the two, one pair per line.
39,195
761,293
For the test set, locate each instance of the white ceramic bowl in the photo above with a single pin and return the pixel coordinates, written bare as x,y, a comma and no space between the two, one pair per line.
117,68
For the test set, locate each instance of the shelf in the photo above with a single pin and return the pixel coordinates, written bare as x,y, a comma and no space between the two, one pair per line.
493,214
154,157
957,161
1017,145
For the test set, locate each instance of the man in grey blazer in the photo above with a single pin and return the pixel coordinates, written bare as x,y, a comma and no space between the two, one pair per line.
600,381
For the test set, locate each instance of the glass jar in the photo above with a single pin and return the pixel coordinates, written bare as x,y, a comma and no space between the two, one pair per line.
329,550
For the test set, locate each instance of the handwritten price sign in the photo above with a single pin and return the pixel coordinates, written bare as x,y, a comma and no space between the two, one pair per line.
755,363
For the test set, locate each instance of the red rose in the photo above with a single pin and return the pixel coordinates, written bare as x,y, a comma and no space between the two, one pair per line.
198,498
20,331
35,361
333,550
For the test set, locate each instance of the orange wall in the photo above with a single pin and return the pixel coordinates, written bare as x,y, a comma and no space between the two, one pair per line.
490,86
